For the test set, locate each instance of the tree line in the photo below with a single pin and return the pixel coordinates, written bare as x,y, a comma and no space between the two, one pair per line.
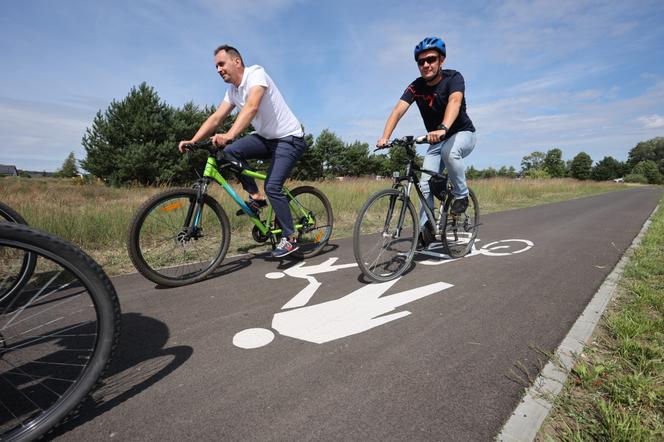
645,164
135,141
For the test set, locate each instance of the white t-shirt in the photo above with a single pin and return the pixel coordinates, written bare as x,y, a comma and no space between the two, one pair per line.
274,118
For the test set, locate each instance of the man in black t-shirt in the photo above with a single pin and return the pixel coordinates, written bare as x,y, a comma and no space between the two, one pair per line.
440,97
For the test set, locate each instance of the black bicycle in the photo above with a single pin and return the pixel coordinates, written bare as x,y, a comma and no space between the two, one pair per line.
58,330
386,231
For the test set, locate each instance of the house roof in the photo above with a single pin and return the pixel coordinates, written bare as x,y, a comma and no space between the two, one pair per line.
8,170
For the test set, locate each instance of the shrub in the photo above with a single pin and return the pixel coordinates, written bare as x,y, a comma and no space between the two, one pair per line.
636,178
648,169
539,174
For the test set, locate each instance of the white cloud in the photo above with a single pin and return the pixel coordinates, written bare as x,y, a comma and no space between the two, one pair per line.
539,31
652,121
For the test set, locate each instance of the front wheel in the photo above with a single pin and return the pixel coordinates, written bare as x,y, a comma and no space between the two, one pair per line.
461,230
173,241
57,333
385,235
311,212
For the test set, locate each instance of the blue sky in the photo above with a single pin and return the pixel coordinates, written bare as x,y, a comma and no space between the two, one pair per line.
580,75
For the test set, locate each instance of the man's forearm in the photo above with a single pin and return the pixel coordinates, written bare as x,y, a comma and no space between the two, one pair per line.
394,118
451,113
390,124
243,120
207,128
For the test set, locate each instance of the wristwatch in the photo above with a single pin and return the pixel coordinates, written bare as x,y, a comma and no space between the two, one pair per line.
441,126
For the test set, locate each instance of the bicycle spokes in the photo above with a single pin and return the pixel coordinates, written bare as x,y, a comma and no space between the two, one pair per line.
385,235
53,333
178,237
312,219
460,230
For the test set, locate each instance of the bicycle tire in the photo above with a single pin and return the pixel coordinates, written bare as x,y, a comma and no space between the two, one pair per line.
161,251
29,261
460,231
47,371
380,252
312,236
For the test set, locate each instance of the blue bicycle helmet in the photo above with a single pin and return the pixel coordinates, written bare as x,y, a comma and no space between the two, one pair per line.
430,43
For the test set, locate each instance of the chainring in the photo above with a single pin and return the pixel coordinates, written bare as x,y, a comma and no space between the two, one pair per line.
258,235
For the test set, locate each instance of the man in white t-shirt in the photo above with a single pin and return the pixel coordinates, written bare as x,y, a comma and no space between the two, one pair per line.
278,136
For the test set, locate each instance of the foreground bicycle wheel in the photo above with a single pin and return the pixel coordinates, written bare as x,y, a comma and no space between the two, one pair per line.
461,230
24,272
166,249
311,209
57,333
385,235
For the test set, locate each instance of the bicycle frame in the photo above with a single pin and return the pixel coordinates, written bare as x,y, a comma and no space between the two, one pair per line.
211,172
411,177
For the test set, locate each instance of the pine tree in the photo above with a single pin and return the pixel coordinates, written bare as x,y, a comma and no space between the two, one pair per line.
135,140
68,169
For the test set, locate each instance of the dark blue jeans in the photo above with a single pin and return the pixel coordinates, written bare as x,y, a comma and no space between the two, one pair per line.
284,153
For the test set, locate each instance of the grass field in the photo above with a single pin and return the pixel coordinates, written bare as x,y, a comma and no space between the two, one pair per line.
616,389
96,217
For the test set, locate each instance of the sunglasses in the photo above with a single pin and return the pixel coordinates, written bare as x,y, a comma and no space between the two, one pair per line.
431,59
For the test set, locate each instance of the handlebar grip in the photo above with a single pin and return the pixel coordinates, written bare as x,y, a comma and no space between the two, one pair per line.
205,144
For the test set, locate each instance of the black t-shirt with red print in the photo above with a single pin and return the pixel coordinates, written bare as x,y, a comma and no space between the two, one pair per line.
432,101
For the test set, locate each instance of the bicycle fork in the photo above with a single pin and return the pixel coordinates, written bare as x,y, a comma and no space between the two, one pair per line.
402,214
192,221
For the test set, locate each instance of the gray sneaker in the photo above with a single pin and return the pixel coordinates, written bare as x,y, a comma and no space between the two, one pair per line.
285,247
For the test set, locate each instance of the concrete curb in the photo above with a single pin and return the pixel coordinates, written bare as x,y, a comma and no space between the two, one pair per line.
529,415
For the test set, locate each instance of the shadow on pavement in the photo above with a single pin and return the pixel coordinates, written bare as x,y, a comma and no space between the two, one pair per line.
222,270
226,268
140,361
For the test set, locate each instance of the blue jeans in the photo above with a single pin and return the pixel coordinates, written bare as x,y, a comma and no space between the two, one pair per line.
447,154
284,153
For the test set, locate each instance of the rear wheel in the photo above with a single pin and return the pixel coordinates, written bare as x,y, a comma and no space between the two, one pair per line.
385,235
460,230
312,212
57,333
172,245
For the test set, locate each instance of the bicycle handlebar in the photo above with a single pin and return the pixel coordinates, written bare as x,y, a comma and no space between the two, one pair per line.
205,145
408,140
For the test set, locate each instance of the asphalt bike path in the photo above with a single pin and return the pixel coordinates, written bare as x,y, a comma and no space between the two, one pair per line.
288,350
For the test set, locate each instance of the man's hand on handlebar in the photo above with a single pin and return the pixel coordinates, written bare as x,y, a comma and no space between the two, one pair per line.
382,142
221,140
181,146
217,141
436,136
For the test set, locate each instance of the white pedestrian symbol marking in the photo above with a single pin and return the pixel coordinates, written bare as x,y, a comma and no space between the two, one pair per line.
361,310
300,271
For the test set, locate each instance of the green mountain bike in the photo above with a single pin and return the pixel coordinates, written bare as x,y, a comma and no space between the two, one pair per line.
182,235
